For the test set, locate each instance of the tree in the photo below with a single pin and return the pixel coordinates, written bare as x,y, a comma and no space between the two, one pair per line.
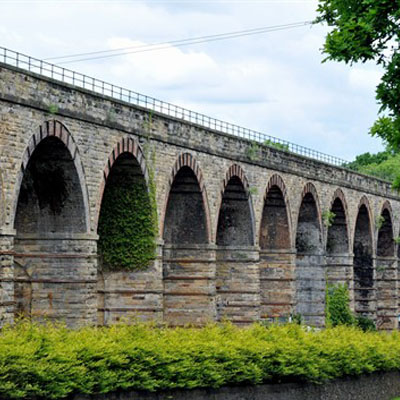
365,30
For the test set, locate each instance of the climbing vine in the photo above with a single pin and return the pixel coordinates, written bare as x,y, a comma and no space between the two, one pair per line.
126,225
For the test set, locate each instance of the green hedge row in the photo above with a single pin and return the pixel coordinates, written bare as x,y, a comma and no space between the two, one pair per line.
54,362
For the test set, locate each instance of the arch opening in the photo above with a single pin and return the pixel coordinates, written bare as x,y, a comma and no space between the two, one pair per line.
276,265
185,218
310,272
386,274
274,232
50,216
338,240
127,225
363,264
188,261
235,227
50,198
386,245
308,235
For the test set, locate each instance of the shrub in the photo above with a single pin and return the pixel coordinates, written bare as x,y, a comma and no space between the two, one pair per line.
337,308
365,323
54,362
338,312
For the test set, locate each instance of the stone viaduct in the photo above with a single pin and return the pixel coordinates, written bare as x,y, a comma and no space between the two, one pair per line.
245,232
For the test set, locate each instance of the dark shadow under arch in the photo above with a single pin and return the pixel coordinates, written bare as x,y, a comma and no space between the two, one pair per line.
51,227
386,273
310,271
188,258
337,240
50,198
235,226
274,230
363,263
385,244
276,265
308,235
185,218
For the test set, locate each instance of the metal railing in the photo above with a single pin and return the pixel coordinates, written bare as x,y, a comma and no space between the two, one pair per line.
65,75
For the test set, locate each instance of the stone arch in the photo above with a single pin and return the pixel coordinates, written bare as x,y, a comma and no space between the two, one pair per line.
275,227
51,217
125,214
310,263
236,217
363,265
125,145
385,246
386,270
60,136
276,265
56,129
188,256
186,169
337,241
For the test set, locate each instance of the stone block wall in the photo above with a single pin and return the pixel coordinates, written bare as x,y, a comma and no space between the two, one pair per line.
238,266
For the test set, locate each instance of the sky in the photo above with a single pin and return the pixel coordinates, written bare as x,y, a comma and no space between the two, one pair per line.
273,82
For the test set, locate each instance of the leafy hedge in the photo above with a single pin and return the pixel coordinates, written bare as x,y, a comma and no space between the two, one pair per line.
54,362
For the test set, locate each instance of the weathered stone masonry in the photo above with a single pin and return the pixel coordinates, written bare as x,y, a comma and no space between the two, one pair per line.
244,231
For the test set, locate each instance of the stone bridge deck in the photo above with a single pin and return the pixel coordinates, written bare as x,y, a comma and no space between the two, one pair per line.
246,232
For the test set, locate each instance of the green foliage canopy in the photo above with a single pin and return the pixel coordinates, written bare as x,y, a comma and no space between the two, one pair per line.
384,165
364,30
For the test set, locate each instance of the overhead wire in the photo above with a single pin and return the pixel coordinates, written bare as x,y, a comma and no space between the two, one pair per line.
94,55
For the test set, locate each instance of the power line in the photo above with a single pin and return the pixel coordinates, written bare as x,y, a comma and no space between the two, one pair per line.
176,43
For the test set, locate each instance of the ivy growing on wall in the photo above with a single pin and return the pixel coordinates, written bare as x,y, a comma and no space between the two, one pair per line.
127,224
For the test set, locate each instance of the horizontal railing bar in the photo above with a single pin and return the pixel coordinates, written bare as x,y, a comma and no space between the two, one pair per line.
62,74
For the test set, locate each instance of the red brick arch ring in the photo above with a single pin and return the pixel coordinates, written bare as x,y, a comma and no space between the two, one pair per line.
187,160
57,129
124,145
236,170
276,180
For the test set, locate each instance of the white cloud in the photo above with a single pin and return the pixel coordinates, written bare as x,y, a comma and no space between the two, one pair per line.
273,82
364,78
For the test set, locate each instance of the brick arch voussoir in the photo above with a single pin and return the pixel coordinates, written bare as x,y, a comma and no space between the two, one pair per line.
57,129
188,160
125,145
277,180
235,170
131,146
